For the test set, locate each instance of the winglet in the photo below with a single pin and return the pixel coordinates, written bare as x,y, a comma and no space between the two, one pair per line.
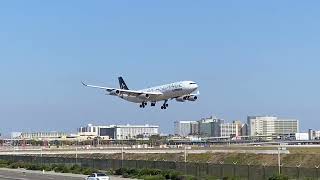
83,83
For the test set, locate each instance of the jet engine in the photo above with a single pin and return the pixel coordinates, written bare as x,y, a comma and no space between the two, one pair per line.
192,98
187,98
115,92
144,96
182,98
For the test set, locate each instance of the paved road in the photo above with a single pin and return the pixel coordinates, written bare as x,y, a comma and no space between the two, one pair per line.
138,151
17,174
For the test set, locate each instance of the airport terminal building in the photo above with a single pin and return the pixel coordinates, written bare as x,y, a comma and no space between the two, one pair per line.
118,132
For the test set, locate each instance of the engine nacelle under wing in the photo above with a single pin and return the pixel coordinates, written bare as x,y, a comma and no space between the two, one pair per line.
144,96
187,98
192,98
115,92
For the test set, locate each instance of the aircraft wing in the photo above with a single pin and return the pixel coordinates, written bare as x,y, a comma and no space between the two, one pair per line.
124,91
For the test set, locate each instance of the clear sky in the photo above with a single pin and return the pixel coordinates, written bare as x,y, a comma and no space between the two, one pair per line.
249,58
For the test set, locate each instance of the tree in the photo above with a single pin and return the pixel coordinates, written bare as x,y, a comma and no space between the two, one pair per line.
157,140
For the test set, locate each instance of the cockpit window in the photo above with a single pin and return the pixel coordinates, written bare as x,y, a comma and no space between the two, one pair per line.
193,83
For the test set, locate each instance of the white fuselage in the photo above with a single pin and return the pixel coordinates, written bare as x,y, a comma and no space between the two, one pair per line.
169,91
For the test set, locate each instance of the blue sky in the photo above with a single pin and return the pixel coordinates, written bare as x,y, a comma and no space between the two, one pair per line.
249,58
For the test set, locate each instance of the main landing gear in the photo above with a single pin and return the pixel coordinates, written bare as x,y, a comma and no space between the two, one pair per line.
143,105
165,105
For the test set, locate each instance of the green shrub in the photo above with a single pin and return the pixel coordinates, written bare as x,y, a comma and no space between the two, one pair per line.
125,175
47,168
157,177
110,172
132,172
4,162
59,168
170,174
66,169
211,178
186,177
75,169
15,165
279,177
88,171
34,167
120,171
150,172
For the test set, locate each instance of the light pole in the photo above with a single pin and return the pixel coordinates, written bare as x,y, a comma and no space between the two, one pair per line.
185,159
317,168
249,170
41,152
41,158
76,154
234,168
279,161
221,169
185,154
298,169
264,170
122,157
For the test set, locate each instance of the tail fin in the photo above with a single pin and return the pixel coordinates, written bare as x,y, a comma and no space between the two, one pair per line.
122,84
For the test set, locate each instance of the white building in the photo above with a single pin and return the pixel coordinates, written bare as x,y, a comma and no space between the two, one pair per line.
90,131
38,135
301,136
271,126
118,132
230,129
183,128
131,131
313,134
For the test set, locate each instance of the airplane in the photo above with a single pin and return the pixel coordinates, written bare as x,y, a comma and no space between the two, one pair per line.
181,91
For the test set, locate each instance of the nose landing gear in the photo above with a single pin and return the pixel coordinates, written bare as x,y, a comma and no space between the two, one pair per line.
165,105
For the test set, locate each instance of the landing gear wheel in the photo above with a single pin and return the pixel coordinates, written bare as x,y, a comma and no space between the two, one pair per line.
163,107
153,104
142,105
167,105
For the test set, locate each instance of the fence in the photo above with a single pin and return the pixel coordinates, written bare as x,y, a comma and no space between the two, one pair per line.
248,172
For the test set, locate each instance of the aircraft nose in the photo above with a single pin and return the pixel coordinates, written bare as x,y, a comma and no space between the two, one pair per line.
195,86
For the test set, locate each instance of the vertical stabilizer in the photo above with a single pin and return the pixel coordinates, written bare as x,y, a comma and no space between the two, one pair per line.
122,84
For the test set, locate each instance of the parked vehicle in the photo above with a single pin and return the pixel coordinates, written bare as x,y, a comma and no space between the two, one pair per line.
98,176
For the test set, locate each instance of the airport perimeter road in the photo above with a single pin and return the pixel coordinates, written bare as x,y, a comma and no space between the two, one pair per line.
18,174
135,151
